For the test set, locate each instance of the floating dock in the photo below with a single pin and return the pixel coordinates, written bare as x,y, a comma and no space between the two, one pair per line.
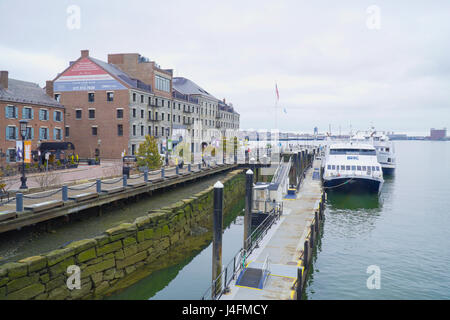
277,268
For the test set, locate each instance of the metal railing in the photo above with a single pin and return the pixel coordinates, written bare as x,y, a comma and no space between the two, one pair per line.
220,285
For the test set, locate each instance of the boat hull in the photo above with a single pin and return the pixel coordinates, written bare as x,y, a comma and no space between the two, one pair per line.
353,184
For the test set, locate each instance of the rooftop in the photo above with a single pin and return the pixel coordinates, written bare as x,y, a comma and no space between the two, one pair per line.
26,92
186,86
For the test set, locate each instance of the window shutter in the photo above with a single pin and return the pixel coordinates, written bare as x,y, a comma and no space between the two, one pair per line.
32,133
54,115
7,136
17,133
16,112
54,133
32,113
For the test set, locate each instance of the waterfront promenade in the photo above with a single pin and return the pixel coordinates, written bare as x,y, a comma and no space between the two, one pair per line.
283,246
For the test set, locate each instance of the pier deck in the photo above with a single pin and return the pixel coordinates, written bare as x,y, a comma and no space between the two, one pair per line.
46,205
283,245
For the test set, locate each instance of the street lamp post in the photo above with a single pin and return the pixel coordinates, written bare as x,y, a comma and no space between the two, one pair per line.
23,133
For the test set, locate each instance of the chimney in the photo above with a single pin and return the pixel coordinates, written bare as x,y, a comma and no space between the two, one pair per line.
84,53
4,79
224,100
49,88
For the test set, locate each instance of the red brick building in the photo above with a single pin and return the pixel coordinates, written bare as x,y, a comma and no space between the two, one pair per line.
106,109
26,100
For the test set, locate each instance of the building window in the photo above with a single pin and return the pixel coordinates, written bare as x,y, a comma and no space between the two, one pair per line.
67,133
142,98
11,155
120,130
78,114
162,131
149,101
134,130
91,113
27,113
43,114
91,97
11,112
142,114
57,115
57,134
29,135
162,116
149,130
119,113
142,131
43,133
11,133
162,84
94,131
134,97
110,96
156,131
133,149
134,113
57,97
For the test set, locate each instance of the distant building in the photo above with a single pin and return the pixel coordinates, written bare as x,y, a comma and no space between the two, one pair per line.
26,100
438,134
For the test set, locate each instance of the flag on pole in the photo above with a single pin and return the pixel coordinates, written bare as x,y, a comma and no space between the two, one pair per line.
276,90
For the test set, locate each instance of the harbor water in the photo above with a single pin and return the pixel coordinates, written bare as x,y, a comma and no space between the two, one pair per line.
403,233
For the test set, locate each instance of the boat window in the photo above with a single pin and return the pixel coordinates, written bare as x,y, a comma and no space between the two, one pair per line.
353,168
329,167
359,168
364,152
342,167
333,167
387,149
378,168
373,168
347,168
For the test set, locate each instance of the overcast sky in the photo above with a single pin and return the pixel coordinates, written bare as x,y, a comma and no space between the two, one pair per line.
337,63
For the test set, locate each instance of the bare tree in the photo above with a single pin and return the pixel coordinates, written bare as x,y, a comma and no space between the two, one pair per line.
47,179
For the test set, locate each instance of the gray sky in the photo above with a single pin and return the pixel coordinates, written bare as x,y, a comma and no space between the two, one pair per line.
330,66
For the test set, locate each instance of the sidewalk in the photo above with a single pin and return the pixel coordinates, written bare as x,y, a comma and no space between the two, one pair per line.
58,177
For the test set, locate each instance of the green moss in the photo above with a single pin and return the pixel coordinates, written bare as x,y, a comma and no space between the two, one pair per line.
87,255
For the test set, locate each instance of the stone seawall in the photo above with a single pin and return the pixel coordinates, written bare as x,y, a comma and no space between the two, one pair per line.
112,260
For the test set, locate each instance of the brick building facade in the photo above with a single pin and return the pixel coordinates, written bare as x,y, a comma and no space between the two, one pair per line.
26,100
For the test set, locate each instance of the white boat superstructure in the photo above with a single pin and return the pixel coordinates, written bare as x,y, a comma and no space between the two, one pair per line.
383,146
352,166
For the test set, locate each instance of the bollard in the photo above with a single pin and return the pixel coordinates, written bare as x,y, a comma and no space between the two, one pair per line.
98,184
162,173
316,224
189,167
177,170
299,283
125,180
146,176
65,193
248,206
199,166
305,254
19,202
217,237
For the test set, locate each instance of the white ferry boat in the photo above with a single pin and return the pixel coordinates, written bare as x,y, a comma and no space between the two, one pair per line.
384,147
352,166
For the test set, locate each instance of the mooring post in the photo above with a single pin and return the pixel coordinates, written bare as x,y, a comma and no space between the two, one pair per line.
162,172
189,167
146,176
65,193
98,184
217,237
199,166
19,202
248,207
305,254
299,283
177,170
125,181
316,224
